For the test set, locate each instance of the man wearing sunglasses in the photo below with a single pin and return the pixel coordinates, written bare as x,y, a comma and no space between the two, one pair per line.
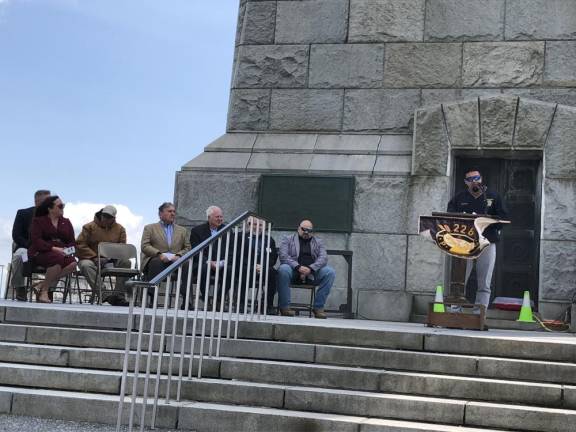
478,199
303,259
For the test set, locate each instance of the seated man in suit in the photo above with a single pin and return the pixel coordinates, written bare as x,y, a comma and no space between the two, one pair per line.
253,253
303,259
21,241
202,232
163,243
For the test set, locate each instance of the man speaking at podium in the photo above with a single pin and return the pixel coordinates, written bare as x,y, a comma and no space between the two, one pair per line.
478,199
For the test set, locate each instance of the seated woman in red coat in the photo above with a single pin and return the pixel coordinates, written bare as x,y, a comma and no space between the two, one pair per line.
50,235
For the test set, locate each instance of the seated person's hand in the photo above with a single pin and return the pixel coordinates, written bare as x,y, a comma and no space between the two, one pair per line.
58,249
258,268
304,271
213,265
164,258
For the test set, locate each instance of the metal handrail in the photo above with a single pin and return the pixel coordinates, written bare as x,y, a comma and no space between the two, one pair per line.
173,279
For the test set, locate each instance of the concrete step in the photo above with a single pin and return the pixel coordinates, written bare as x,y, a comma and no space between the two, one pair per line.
203,417
404,336
76,372
59,353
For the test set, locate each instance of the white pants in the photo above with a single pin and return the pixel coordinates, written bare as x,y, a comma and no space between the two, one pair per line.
484,269
16,276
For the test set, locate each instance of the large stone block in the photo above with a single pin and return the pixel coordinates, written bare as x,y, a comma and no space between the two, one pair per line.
540,19
563,96
436,96
379,261
470,388
347,144
306,109
426,195
380,204
384,305
279,162
497,116
350,66
531,418
557,269
395,145
386,20
234,142
455,20
271,66
313,21
342,164
5,402
396,360
390,110
423,65
212,417
196,191
561,63
559,209
376,405
222,161
259,23
393,165
249,110
532,123
288,143
462,122
560,147
430,154
425,265
503,64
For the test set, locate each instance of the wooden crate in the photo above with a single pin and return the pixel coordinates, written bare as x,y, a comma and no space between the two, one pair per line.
457,320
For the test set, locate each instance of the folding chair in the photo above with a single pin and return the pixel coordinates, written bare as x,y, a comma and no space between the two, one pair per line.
304,306
115,251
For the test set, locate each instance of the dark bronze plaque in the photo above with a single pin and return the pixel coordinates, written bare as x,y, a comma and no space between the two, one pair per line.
327,201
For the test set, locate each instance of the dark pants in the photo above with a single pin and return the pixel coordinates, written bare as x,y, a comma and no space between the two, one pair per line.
156,266
212,278
272,280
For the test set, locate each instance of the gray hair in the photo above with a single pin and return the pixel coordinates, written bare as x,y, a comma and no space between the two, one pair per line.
210,210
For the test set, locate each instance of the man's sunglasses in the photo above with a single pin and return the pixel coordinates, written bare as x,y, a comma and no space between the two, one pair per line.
473,178
61,206
307,230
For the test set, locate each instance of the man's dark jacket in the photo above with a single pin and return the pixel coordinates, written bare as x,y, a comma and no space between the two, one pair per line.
489,203
202,232
21,228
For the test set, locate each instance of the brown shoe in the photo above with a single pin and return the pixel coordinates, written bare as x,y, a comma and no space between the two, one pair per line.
287,312
319,313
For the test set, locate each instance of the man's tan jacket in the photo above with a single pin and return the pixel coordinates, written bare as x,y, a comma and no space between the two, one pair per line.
154,242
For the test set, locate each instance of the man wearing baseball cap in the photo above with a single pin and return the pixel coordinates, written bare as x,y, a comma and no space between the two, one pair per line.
103,228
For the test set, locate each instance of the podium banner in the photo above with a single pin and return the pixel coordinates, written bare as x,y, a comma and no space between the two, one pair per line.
457,235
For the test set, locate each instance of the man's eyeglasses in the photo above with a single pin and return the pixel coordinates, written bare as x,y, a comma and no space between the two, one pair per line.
473,178
61,206
307,230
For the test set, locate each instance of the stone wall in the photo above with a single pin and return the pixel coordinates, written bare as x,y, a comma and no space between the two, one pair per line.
365,65
384,90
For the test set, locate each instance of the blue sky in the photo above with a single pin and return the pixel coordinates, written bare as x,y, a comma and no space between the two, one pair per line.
102,101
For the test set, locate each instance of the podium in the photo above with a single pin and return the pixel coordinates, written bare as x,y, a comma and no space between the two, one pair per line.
459,235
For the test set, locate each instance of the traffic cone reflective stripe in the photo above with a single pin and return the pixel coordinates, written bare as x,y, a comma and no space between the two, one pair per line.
439,300
526,309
